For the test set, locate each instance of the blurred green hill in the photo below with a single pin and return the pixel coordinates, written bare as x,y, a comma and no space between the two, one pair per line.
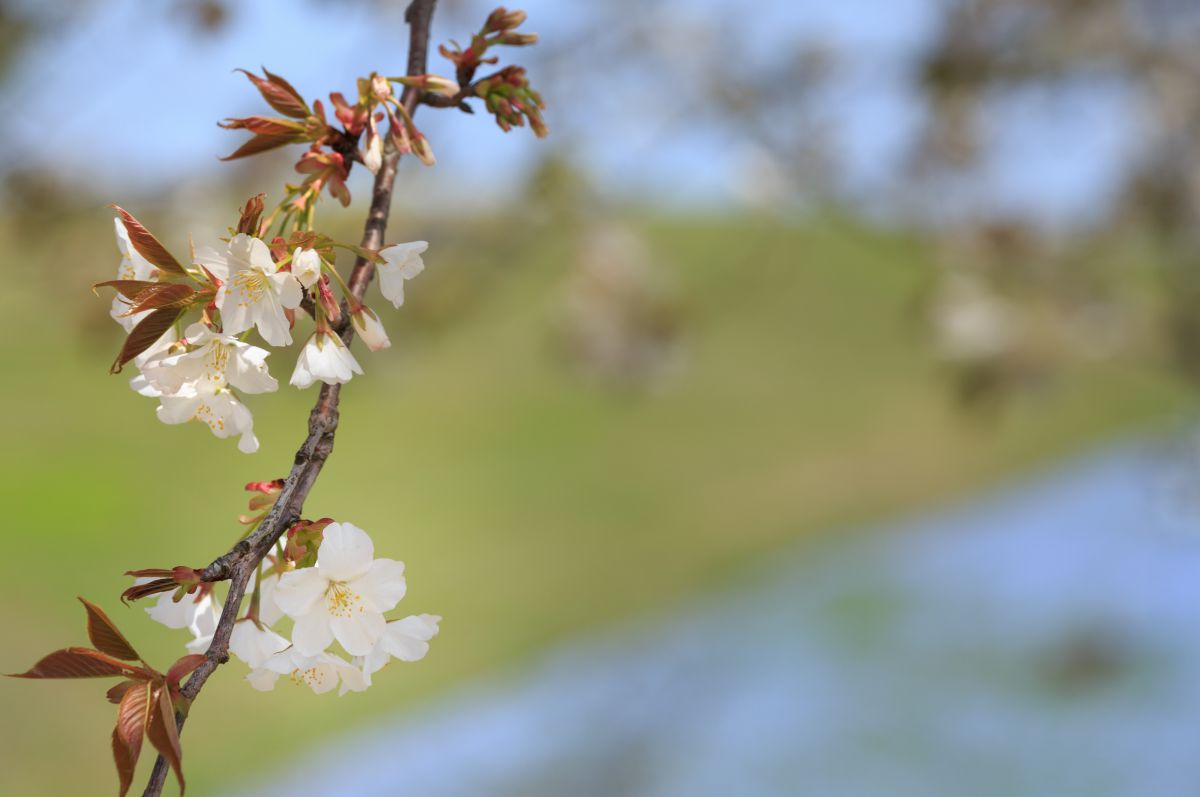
529,501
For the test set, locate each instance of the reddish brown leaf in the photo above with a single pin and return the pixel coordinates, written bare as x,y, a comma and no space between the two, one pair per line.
264,125
279,94
115,693
163,733
144,335
78,663
162,295
127,288
132,717
184,666
259,144
147,245
105,635
250,215
125,763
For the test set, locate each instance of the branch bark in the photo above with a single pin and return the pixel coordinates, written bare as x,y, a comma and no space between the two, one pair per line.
241,561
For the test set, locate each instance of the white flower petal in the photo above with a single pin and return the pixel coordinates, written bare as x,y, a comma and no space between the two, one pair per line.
346,552
358,631
312,633
382,586
298,591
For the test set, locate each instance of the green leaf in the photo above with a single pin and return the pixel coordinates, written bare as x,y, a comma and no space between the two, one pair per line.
78,663
163,734
147,245
105,635
144,335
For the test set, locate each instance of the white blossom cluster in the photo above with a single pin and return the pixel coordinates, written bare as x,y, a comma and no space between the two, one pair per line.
342,598
197,377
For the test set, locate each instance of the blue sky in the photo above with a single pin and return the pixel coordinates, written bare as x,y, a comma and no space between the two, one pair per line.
128,97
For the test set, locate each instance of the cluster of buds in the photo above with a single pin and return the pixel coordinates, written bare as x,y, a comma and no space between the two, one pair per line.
186,324
511,99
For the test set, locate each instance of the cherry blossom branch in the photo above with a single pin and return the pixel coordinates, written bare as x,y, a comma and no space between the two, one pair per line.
240,562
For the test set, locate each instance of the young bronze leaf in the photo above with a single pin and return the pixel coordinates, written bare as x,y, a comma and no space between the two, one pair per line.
163,734
105,635
143,336
127,288
264,125
184,666
279,94
147,245
259,144
115,693
125,763
77,663
162,295
132,717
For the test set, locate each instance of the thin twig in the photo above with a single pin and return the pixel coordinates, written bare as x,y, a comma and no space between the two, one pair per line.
242,560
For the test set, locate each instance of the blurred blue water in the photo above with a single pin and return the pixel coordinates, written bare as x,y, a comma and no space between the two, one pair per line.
1040,642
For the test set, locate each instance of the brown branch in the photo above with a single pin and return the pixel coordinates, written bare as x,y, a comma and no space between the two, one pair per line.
241,561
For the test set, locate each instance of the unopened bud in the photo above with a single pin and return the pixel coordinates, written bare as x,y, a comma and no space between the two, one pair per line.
502,19
441,85
514,39
421,148
328,303
373,154
369,328
306,266
381,87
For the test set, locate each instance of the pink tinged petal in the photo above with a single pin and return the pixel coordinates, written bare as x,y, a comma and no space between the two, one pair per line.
298,591
359,630
346,552
312,632
382,586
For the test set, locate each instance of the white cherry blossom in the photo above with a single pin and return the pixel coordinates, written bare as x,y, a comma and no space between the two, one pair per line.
344,596
254,645
198,612
219,410
133,267
217,360
369,328
256,293
373,154
406,640
401,262
327,358
322,672
306,266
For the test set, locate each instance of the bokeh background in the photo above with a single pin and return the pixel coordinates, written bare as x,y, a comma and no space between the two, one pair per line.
811,413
